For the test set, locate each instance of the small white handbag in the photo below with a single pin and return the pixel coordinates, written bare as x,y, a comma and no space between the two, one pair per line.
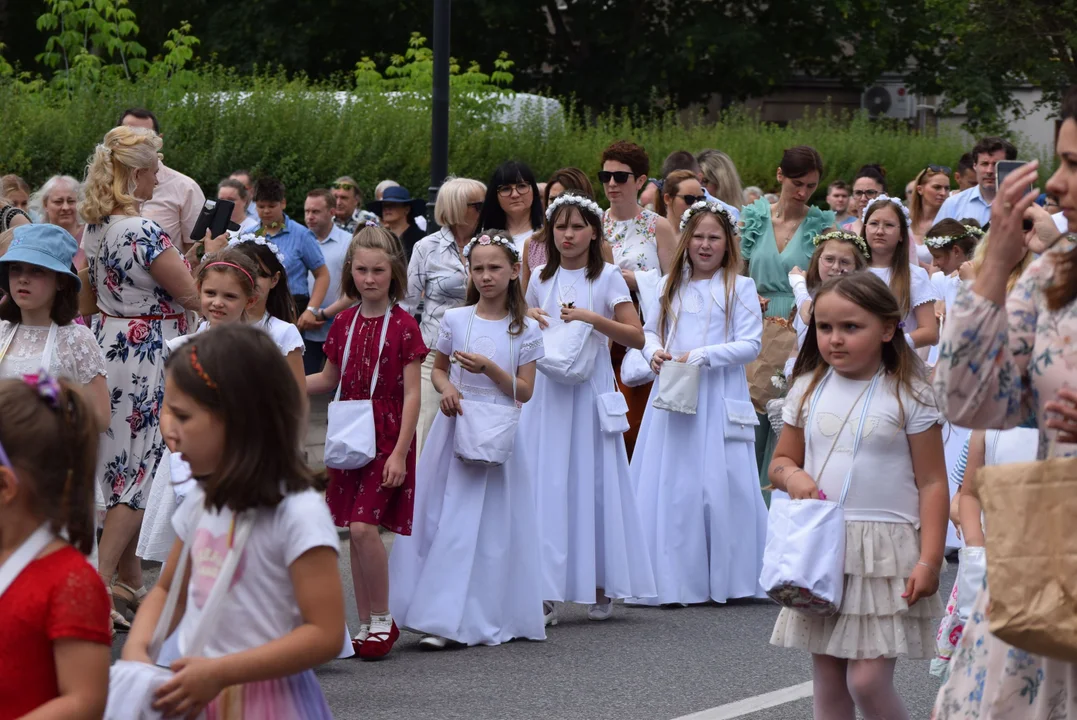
740,420
804,559
678,382
349,438
571,348
612,410
485,433
971,570
131,684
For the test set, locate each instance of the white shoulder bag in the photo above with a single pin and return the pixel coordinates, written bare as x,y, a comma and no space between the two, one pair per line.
804,559
486,432
131,684
349,439
570,347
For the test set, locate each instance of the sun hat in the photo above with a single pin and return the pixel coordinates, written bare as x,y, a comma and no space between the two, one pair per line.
399,196
44,245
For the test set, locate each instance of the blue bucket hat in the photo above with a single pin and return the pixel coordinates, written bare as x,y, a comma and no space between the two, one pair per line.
47,246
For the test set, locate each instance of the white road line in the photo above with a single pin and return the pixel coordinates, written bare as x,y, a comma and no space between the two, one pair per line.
750,705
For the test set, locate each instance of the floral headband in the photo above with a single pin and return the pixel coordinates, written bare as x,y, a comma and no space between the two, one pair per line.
856,240
708,206
252,238
893,201
495,239
946,240
571,199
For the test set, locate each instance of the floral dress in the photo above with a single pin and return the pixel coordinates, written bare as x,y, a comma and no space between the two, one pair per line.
137,318
357,495
634,242
997,365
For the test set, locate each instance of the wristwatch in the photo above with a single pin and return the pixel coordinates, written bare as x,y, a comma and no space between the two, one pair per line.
313,311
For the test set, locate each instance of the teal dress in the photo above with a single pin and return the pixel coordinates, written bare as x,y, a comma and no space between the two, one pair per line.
770,268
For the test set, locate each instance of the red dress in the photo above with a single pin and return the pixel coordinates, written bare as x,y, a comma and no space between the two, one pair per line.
357,495
56,597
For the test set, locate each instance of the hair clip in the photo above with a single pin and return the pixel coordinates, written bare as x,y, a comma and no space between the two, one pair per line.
200,371
48,389
901,325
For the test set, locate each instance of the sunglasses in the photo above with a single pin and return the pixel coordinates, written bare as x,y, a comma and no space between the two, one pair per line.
939,169
865,193
520,188
343,186
693,199
477,205
620,176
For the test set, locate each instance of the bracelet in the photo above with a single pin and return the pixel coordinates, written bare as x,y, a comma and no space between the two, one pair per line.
929,567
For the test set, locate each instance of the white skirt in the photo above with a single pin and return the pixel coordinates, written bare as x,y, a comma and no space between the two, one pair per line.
703,513
469,571
170,483
591,532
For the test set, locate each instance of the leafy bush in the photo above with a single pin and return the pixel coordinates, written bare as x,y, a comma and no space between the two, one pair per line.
215,121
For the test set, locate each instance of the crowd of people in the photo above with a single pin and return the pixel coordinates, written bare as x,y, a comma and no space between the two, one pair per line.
544,400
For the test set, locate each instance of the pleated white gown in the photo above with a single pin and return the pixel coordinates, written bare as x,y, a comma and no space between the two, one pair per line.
704,517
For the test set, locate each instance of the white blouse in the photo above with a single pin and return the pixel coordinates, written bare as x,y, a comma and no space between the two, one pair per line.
921,291
76,355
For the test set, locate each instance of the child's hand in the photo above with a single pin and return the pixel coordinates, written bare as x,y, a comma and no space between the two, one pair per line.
472,362
196,683
568,314
396,468
1062,415
955,517
800,486
657,359
450,401
923,582
539,315
966,272
684,358
797,271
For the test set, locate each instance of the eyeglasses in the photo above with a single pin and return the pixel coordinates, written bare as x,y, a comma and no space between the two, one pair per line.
693,199
521,188
939,169
865,193
620,176
476,206
343,186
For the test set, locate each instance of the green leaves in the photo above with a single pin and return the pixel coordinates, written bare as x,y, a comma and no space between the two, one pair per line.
414,72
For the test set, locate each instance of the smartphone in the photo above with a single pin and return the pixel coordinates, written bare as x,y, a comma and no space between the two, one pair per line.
1004,168
216,217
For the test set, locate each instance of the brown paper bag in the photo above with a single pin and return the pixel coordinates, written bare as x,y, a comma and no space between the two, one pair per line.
779,342
1031,548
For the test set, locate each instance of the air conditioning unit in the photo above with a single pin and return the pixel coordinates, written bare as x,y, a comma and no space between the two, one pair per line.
889,100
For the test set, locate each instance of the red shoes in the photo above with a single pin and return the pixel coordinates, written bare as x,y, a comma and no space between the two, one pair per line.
379,642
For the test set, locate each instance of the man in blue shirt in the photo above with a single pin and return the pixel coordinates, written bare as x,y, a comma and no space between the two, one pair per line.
334,243
976,202
299,247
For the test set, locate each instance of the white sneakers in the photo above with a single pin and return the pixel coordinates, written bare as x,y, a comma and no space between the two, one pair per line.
600,612
433,642
549,613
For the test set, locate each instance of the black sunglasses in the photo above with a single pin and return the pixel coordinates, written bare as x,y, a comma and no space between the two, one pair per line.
693,199
939,169
621,176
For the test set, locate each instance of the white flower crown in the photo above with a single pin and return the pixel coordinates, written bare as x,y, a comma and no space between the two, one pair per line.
946,240
893,201
495,239
572,199
707,206
860,243
252,238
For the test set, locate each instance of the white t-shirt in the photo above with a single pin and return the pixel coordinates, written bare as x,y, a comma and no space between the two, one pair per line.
260,606
921,291
883,487
607,291
285,334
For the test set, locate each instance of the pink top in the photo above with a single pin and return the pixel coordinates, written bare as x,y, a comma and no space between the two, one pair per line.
176,203
536,251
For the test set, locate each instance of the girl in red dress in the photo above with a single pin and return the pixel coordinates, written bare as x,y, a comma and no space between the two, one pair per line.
54,615
381,493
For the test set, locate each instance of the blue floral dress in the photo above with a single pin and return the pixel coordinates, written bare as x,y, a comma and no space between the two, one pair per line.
137,318
997,366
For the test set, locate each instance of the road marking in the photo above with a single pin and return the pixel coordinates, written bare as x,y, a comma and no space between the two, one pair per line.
750,705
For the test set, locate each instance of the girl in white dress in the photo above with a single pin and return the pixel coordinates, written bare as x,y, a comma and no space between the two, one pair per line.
593,547
859,405
696,479
469,572
886,228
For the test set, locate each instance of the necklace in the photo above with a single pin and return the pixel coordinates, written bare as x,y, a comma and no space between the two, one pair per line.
567,297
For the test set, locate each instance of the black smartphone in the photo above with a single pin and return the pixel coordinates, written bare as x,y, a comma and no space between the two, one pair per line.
216,217
1004,168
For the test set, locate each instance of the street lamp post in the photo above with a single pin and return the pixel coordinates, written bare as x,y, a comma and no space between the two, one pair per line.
439,137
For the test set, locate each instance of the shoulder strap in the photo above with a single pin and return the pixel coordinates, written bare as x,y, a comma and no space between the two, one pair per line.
24,555
467,341
8,340
381,344
223,583
50,347
347,352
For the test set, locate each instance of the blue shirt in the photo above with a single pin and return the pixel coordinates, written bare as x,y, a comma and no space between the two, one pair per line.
966,204
333,248
301,253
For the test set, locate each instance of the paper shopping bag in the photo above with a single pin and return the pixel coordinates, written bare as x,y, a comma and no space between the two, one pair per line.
779,342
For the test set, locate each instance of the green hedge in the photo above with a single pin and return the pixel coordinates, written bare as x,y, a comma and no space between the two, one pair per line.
283,127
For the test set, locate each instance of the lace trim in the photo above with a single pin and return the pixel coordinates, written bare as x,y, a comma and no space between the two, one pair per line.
466,390
531,345
620,299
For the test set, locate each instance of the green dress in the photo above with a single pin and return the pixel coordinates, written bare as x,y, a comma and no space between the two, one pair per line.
769,268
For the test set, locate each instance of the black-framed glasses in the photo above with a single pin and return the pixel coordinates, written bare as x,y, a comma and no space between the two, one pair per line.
343,186
939,169
476,206
620,176
692,199
521,188
866,193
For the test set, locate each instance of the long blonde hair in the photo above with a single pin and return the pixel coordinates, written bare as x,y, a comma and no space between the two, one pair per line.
980,254
110,173
682,267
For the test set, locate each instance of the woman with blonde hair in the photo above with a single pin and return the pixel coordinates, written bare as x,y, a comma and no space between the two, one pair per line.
142,286
720,177
930,188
